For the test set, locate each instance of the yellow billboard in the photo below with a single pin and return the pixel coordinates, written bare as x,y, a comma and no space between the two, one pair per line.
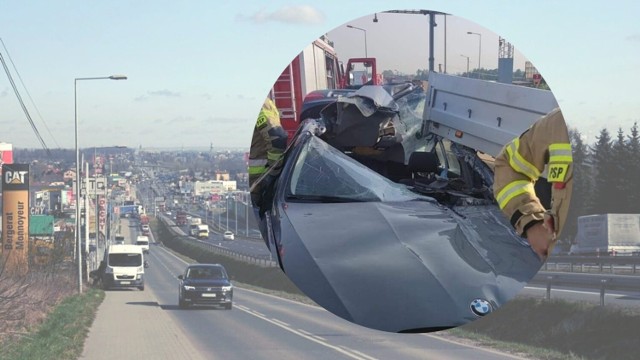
15,218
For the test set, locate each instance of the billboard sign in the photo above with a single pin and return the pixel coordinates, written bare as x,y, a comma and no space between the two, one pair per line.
15,218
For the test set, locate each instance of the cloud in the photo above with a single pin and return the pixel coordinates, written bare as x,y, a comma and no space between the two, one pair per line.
633,37
294,14
240,97
164,92
224,120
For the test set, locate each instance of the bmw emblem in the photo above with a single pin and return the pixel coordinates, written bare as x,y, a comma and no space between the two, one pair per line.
480,307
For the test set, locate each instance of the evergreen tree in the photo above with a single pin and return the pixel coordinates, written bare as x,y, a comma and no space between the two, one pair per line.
618,179
582,188
633,169
603,171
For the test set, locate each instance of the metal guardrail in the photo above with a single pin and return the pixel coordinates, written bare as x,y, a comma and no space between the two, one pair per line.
264,261
599,261
598,281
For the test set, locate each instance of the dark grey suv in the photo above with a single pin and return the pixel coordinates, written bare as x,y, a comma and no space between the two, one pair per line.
205,284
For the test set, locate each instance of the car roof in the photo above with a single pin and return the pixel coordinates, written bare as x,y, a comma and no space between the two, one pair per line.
190,266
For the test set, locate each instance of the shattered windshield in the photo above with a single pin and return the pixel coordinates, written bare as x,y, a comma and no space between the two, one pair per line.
324,174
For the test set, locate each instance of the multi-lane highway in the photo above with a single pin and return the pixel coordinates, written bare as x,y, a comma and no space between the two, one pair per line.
142,324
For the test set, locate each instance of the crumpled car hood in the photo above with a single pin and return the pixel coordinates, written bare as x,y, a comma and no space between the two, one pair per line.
414,266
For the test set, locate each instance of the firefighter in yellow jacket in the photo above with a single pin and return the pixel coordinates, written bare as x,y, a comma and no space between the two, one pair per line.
267,147
544,147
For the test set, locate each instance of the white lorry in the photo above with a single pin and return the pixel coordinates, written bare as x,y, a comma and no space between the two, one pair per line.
200,231
607,234
143,242
123,267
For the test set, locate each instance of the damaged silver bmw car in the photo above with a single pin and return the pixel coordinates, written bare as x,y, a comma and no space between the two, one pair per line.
390,225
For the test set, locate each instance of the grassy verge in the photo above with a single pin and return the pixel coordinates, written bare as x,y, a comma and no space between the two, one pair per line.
62,334
515,348
573,329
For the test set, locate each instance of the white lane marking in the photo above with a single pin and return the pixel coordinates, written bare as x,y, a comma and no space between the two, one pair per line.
276,320
345,351
363,355
316,336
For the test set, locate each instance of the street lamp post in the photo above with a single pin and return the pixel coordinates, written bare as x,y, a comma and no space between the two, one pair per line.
467,63
365,38
78,183
479,45
246,214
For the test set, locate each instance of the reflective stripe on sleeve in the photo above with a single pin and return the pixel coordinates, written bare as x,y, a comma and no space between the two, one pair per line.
256,170
518,163
560,153
512,190
274,155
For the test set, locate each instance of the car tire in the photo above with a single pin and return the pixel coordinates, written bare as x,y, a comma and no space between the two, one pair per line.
228,306
181,303
141,288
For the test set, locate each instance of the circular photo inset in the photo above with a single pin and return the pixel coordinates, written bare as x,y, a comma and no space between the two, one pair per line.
391,178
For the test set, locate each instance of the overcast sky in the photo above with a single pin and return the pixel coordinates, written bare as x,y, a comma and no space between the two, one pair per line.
199,70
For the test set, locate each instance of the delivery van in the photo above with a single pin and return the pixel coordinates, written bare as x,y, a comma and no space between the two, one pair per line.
124,267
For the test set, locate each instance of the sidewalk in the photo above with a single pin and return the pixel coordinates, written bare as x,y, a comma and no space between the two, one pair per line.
130,325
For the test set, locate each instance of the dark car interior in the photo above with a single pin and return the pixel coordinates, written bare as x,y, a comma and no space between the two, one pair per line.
374,131
204,273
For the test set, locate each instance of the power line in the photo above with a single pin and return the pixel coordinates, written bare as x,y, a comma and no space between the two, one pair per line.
28,94
24,108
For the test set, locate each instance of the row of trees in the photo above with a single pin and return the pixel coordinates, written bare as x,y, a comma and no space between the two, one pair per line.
606,175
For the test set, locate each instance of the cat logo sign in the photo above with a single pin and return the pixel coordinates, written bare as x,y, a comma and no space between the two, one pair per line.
15,177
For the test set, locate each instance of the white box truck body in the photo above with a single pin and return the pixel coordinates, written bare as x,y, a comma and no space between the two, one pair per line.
143,242
613,234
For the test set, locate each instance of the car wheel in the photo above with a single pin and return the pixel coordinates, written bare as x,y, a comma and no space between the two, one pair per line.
228,306
141,288
181,303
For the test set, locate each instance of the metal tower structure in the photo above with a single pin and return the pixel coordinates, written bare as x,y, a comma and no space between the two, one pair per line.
505,49
505,61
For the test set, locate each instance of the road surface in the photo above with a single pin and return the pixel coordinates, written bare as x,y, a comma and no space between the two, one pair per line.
132,324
